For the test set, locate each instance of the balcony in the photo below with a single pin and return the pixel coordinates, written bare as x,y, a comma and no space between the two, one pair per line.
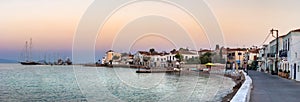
283,53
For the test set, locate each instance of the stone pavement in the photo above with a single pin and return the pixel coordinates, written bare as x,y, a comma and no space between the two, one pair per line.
271,88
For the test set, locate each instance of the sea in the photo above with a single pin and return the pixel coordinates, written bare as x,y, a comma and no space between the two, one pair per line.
19,83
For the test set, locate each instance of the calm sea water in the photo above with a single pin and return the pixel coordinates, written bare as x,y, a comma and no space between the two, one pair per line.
78,83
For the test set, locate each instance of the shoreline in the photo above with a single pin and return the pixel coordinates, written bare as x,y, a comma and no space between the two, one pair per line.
239,80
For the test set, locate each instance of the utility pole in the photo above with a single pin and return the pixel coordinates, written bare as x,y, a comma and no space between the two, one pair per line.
276,54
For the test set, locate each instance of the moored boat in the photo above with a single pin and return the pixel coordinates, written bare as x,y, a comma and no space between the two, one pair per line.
29,63
28,55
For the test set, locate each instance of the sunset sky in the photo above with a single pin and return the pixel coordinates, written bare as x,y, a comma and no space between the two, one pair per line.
52,25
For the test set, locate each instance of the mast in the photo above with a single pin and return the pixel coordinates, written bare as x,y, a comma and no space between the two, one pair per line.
26,51
30,47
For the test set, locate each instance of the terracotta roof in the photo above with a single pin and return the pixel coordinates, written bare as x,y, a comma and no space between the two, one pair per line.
152,54
254,51
205,50
173,52
144,52
236,49
187,52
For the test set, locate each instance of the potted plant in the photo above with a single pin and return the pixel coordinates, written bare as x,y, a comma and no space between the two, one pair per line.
280,72
286,73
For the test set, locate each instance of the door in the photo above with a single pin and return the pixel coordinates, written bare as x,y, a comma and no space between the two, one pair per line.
295,70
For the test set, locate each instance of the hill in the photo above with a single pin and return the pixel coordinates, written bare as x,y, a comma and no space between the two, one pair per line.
8,61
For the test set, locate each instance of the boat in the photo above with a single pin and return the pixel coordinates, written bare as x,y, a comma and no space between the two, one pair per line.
28,60
30,63
68,61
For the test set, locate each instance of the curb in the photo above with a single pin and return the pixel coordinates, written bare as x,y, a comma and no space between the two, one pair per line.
243,94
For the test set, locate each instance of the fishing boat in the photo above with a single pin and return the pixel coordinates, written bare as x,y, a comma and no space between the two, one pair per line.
28,60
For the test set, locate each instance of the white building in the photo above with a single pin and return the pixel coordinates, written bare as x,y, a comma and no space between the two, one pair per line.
292,46
158,60
171,56
138,58
188,54
272,54
144,58
262,58
252,55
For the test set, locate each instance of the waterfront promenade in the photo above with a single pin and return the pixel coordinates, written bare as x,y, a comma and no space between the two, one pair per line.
271,88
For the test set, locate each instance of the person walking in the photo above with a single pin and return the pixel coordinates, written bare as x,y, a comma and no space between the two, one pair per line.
233,66
245,67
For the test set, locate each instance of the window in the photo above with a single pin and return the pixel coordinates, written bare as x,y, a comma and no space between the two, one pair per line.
288,47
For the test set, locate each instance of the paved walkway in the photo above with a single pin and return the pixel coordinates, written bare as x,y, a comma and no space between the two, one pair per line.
271,88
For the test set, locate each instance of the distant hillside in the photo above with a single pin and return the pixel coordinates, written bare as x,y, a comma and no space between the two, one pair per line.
8,61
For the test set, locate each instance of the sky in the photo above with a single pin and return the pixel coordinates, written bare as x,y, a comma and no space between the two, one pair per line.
52,24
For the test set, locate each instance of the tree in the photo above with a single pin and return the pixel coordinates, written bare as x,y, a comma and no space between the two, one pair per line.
179,57
183,49
221,52
253,65
116,57
152,51
206,58
195,60
124,54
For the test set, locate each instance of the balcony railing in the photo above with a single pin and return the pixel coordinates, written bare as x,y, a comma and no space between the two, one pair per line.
283,53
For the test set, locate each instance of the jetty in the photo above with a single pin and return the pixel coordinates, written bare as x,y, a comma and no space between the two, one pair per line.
158,70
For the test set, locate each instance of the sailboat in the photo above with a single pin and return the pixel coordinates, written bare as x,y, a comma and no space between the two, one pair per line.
28,60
